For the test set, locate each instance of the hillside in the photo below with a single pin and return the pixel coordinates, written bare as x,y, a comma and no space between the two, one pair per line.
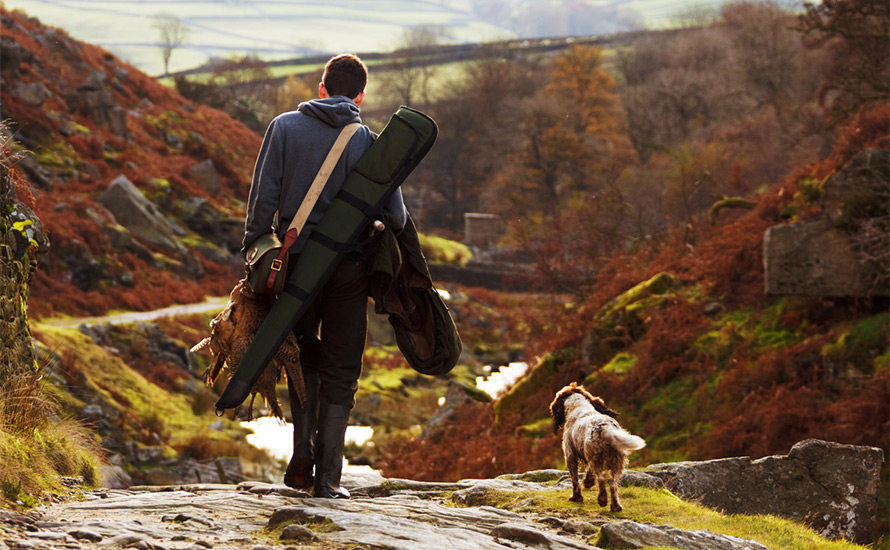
80,119
680,339
141,194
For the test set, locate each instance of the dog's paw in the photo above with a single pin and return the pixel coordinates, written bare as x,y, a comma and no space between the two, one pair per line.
616,507
576,498
602,499
589,482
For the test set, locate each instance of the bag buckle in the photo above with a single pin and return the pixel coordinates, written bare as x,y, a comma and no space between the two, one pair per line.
276,265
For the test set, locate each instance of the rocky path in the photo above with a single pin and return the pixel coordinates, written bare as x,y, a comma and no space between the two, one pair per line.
383,514
819,480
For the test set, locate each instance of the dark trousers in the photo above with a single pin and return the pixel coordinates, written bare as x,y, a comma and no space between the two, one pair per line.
331,334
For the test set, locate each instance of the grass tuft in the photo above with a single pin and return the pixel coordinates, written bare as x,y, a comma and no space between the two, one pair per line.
662,507
38,445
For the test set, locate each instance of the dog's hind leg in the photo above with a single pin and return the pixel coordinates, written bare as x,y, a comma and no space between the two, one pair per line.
616,467
572,465
616,504
589,477
602,498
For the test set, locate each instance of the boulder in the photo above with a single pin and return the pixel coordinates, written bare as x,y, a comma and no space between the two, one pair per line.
205,174
622,320
139,215
113,477
457,395
857,184
98,103
214,226
844,252
12,54
298,533
832,487
811,258
629,534
35,93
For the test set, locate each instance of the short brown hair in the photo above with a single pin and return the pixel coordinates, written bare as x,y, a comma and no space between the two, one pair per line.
345,74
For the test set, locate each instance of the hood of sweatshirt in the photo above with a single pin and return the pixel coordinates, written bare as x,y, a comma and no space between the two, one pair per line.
337,111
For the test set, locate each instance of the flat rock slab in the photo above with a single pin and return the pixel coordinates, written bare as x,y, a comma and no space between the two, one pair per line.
832,487
629,534
192,517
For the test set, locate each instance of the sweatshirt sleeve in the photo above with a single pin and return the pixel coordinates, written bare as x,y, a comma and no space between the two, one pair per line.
265,188
395,211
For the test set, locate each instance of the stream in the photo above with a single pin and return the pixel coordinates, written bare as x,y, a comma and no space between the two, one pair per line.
275,437
270,434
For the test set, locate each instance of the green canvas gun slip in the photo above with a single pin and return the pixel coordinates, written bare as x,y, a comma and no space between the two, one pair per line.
406,139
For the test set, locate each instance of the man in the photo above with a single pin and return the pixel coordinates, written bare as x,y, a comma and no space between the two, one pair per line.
294,147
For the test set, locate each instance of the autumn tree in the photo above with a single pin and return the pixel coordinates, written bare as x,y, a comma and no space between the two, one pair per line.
558,190
716,107
479,116
857,34
173,33
574,137
291,93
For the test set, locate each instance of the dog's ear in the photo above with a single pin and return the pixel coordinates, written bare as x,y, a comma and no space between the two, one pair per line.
601,407
558,411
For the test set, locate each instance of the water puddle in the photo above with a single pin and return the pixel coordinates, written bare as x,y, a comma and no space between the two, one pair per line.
276,438
499,381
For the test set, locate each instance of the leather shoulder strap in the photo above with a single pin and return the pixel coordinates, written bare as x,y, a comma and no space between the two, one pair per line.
324,173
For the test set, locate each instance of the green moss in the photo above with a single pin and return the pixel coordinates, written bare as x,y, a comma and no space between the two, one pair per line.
538,428
882,361
107,375
658,285
661,507
546,477
473,391
750,330
668,418
622,363
860,343
442,250
810,191
58,155
193,240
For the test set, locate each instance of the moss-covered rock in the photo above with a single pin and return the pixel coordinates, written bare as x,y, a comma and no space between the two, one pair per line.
22,240
621,321
525,395
853,354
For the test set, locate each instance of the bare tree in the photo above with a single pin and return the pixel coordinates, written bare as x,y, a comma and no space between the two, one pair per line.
408,82
173,34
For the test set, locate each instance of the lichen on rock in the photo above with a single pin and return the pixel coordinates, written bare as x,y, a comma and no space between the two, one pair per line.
22,241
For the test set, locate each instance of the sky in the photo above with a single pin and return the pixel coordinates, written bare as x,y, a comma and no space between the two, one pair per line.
283,29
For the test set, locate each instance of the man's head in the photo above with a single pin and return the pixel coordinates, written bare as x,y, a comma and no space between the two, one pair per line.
344,75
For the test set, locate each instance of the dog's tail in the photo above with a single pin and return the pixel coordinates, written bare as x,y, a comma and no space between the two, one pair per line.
622,440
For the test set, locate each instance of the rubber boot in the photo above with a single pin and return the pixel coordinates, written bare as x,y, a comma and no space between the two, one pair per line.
332,421
299,470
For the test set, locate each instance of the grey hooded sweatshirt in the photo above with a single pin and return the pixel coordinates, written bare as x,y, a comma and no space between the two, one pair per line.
294,148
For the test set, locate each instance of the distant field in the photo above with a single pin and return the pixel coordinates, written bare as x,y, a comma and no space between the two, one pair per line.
285,29
270,29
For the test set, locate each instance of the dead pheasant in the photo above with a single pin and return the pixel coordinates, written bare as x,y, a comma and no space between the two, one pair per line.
232,331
